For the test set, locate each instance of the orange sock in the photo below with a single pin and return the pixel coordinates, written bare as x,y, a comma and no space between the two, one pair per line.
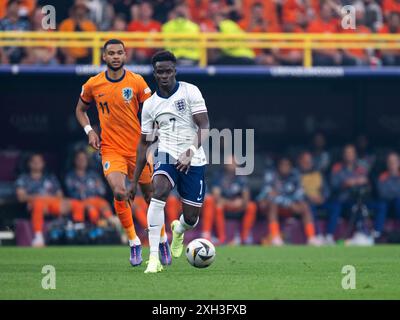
220,224
162,233
208,215
93,215
78,210
37,219
124,212
310,230
248,220
107,213
274,229
140,210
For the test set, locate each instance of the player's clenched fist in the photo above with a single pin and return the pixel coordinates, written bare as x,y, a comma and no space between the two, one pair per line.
184,160
132,191
94,140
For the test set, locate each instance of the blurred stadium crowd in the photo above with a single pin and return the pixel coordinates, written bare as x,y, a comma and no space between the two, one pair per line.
315,185
195,16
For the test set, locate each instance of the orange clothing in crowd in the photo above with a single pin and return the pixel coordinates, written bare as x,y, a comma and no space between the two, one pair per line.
198,9
270,13
390,6
287,51
360,53
70,25
246,26
25,5
139,26
321,26
296,8
384,30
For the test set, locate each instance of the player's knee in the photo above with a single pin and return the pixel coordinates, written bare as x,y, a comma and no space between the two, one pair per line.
161,193
147,197
120,193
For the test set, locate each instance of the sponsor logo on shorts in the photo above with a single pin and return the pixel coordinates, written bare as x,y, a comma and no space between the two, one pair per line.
157,165
107,165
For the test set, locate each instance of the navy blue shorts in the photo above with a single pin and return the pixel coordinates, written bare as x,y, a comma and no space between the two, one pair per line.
191,186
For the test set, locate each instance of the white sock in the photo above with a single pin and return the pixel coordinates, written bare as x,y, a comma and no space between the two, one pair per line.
183,226
39,234
155,221
134,242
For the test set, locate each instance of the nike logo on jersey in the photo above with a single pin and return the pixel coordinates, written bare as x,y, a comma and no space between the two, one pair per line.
101,94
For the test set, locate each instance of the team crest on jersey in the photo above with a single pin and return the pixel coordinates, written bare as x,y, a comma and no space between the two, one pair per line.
106,165
127,94
180,105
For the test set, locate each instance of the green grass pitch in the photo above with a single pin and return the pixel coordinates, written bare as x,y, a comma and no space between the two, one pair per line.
250,272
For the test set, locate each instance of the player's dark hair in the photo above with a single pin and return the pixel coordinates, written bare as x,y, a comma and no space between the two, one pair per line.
112,41
163,55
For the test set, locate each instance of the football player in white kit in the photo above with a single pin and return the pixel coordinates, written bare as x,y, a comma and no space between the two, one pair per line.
178,111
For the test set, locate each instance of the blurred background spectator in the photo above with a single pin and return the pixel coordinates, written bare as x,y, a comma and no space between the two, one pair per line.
144,23
223,16
179,22
42,194
232,200
282,196
78,21
12,21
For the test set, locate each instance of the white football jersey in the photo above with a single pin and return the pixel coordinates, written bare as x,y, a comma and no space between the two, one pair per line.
173,118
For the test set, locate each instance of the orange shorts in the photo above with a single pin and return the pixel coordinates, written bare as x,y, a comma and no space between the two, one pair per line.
97,202
285,212
113,162
50,204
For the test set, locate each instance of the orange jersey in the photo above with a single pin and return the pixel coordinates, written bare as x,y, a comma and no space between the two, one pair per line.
117,104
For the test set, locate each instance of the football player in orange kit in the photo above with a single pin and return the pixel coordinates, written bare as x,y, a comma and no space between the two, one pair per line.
117,93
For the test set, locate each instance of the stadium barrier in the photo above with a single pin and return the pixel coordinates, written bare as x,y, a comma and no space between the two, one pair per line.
213,71
202,41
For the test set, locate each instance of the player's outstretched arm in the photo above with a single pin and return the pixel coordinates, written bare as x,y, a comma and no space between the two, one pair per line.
141,159
201,120
83,119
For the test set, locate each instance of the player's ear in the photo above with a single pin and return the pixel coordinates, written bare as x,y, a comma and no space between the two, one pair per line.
104,55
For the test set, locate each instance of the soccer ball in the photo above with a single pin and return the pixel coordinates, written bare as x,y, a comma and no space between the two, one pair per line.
200,253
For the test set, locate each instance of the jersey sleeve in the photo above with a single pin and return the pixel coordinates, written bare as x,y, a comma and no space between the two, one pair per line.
196,101
147,120
86,93
144,92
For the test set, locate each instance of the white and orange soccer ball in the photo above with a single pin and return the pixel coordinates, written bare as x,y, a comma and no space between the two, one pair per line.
200,253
